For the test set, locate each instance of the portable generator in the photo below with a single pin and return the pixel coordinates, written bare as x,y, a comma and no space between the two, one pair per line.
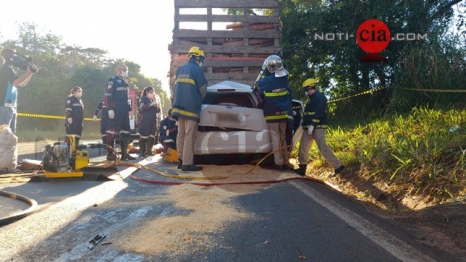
66,159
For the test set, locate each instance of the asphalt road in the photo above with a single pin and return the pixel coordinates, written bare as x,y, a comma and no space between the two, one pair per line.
290,221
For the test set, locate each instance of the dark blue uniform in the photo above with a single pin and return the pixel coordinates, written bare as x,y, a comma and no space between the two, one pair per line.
188,99
277,97
74,110
116,99
315,112
168,133
103,120
147,118
104,117
277,105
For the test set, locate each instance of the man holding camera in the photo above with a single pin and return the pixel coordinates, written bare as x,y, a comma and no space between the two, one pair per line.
9,80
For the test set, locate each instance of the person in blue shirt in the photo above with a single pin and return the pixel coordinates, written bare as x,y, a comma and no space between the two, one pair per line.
9,81
189,92
276,94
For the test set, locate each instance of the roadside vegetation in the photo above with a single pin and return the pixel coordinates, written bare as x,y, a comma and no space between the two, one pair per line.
420,155
399,125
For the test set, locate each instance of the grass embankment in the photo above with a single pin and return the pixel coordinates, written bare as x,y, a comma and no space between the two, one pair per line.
420,156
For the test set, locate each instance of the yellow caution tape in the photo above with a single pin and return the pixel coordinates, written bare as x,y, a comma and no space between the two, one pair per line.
51,117
405,88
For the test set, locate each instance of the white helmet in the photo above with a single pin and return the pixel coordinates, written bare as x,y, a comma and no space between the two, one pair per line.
274,64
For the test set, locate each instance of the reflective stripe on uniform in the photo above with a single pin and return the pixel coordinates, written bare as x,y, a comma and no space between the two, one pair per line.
309,113
275,94
112,132
276,117
185,80
184,113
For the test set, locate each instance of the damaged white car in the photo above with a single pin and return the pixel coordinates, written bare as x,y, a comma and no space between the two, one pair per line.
232,124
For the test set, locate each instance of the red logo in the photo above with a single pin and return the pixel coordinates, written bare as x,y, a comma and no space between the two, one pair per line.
373,36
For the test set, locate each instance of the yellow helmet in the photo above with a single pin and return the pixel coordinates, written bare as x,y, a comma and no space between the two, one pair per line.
195,51
312,82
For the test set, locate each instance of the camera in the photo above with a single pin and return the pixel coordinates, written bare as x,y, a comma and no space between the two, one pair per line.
17,60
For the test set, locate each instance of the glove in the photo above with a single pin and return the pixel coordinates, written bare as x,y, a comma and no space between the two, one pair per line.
111,114
95,118
70,120
310,129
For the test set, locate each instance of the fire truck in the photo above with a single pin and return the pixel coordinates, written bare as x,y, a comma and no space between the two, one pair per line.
134,95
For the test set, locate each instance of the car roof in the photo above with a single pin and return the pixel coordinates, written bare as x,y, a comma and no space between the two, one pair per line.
229,86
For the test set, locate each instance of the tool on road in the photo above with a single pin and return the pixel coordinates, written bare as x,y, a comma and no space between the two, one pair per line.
96,240
171,155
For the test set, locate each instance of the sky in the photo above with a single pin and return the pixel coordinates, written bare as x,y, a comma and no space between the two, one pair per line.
139,31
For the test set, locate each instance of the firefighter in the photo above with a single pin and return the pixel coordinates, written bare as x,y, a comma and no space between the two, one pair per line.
103,120
275,91
118,104
168,132
74,108
314,125
148,109
189,92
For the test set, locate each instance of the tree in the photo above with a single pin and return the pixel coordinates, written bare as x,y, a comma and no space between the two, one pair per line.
337,63
61,68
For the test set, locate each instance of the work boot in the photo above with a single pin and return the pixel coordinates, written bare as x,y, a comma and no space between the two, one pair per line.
301,170
124,151
150,145
338,170
104,142
110,155
180,163
191,168
142,147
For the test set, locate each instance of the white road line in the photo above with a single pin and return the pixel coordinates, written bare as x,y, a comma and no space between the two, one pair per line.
391,244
